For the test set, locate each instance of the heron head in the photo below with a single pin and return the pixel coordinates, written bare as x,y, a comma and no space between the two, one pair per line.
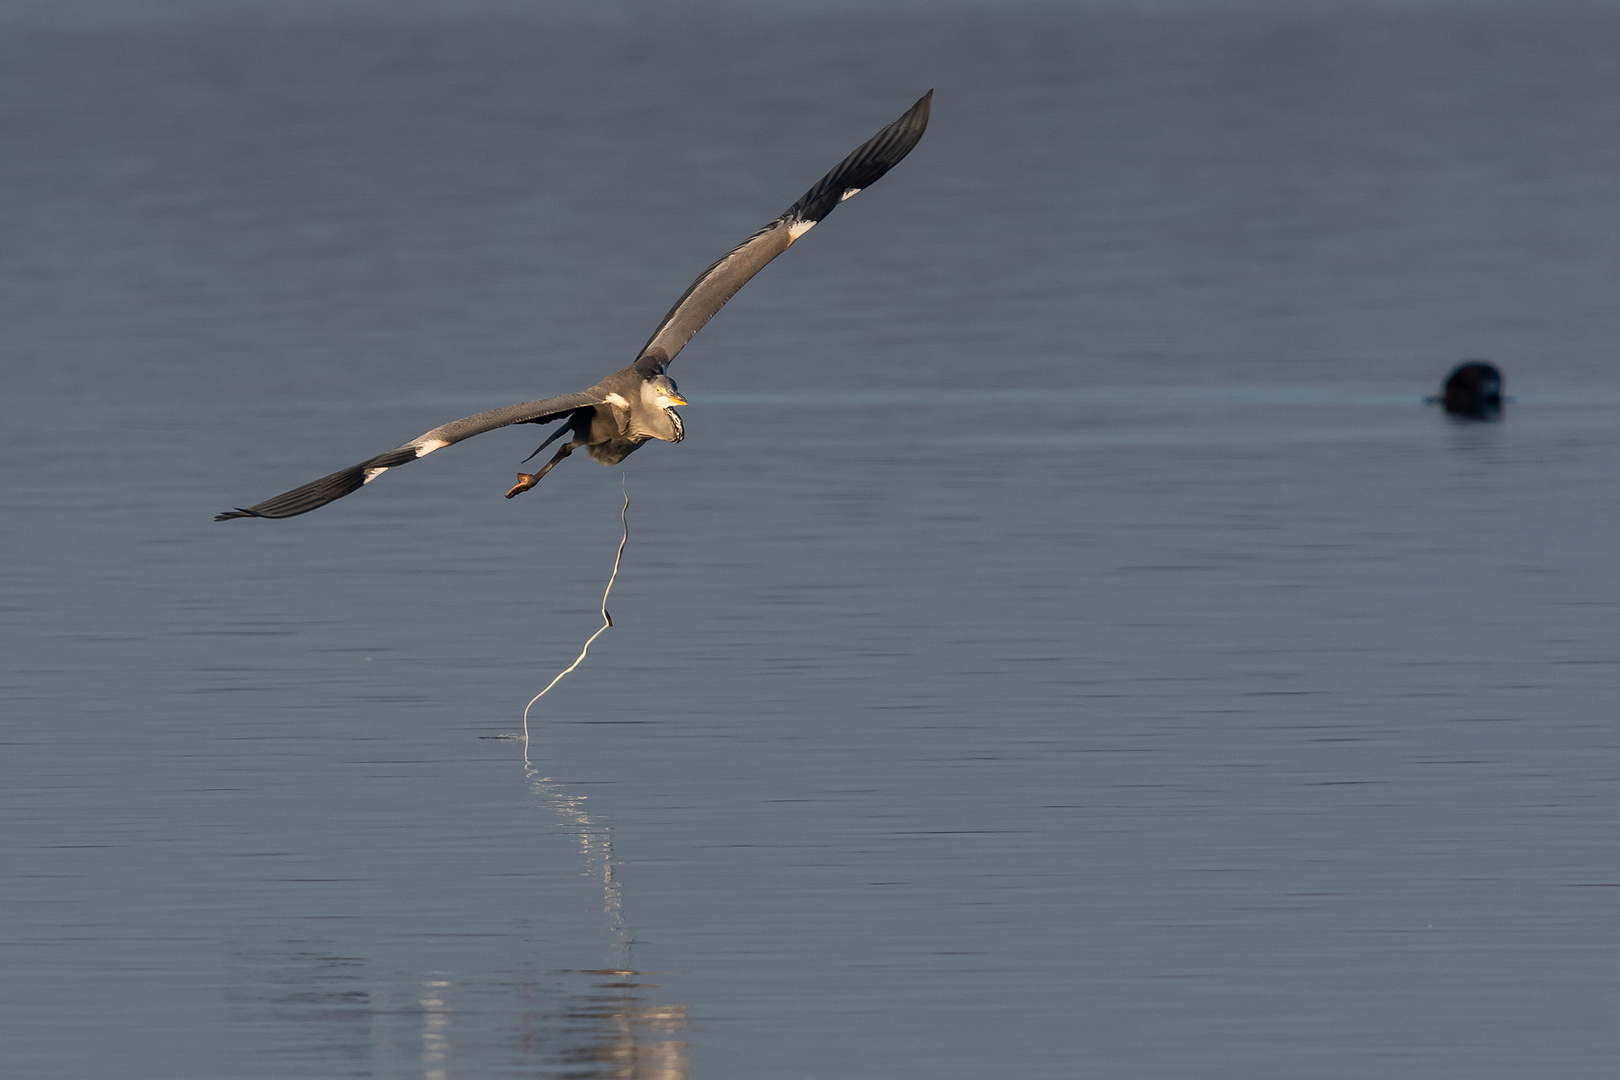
663,393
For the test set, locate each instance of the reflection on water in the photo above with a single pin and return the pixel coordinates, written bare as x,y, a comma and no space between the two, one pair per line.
595,847
435,1030
309,1007
302,1008
625,1037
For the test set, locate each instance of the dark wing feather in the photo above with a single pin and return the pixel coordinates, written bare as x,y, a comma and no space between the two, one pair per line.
301,500
720,282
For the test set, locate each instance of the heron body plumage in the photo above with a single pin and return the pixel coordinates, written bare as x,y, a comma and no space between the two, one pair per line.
635,404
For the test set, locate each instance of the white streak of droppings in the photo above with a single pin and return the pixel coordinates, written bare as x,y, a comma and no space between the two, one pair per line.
848,192
798,229
616,399
372,474
607,621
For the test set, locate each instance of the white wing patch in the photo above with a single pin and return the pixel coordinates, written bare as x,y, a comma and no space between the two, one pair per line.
848,192
426,446
617,399
372,474
798,229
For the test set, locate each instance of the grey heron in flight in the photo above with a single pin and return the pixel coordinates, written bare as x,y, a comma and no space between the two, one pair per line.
637,403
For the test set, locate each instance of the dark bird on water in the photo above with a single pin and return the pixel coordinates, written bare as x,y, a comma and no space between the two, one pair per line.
1473,391
637,403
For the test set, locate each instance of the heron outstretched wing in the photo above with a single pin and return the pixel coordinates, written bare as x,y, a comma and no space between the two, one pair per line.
720,282
316,493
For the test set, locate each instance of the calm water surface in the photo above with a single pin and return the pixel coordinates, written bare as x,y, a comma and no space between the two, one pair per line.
1064,645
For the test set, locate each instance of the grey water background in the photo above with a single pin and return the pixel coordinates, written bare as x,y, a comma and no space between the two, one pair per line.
1064,645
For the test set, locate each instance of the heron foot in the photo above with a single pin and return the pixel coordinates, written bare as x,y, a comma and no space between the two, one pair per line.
525,482
528,480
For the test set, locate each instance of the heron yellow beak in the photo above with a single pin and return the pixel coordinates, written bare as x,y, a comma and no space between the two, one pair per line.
676,399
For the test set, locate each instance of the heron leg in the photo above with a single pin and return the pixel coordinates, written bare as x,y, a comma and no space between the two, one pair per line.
528,480
562,430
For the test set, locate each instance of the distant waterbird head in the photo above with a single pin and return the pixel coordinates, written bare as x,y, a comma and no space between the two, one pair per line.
1473,391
